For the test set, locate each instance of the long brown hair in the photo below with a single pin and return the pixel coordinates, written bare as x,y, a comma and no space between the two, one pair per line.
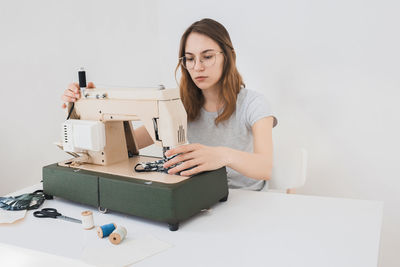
231,81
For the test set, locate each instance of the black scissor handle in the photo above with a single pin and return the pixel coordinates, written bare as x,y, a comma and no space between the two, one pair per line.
47,213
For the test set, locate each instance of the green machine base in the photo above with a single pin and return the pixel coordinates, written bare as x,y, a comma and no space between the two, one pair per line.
170,203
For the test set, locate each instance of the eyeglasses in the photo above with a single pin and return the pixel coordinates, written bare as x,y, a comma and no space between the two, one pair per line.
207,59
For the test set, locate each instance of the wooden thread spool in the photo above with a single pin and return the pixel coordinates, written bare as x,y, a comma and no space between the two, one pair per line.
118,235
106,230
87,219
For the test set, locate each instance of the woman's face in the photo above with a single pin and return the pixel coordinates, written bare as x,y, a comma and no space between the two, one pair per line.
204,61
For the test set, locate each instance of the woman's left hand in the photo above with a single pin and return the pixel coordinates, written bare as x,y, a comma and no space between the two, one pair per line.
196,156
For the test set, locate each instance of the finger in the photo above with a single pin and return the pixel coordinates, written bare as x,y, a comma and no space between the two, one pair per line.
91,85
63,105
68,94
74,87
71,94
185,165
181,149
177,159
68,99
193,171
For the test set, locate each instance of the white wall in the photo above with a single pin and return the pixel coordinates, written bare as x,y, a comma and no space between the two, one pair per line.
43,43
329,68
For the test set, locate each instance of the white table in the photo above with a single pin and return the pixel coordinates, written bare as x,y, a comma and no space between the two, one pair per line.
250,229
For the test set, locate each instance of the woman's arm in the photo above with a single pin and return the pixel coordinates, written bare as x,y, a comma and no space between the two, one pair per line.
257,165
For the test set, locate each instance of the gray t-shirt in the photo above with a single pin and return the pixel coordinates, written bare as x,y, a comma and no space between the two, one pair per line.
235,132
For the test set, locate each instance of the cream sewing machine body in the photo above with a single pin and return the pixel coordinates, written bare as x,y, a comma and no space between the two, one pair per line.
161,112
105,147
164,124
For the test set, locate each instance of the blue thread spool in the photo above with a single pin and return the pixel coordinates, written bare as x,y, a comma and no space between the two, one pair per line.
105,230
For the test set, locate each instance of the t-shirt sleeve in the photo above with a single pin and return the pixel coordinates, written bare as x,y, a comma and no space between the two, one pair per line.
257,107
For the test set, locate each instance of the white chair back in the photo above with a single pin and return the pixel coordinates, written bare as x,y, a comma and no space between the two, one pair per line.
289,168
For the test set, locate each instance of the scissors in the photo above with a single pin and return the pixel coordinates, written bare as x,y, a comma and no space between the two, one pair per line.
53,213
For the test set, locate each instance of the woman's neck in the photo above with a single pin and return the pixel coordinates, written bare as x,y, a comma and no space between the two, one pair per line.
212,100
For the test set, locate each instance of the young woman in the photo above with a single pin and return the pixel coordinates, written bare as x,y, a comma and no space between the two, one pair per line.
228,125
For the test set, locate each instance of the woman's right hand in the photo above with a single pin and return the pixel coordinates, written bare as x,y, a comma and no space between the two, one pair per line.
72,93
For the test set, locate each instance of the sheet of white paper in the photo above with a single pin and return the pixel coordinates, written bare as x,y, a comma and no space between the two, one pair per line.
101,252
10,216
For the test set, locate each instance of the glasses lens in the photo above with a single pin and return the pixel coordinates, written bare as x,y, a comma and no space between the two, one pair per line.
188,62
208,59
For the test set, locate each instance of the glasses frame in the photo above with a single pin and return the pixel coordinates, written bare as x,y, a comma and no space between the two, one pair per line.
201,61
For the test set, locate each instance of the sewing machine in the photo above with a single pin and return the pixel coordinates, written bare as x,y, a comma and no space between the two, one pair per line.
105,149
